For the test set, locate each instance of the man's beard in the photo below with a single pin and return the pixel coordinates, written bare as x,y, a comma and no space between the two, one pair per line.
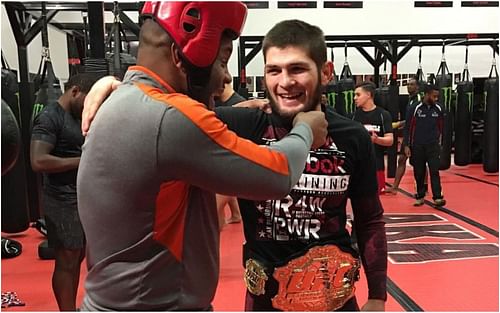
311,105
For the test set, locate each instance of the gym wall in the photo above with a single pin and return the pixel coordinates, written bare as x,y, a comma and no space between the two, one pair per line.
386,17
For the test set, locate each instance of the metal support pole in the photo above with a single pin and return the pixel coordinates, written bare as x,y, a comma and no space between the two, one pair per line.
96,30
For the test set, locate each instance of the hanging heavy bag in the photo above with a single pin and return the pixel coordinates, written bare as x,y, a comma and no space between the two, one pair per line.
11,139
331,91
490,151
444,83
463,123
345,105
381,97
15,218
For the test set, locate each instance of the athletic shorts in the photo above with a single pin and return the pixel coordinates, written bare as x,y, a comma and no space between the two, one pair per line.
64,229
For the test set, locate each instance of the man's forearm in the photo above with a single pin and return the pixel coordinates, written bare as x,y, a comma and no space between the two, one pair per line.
54,164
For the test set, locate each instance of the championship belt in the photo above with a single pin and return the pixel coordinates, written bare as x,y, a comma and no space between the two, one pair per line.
255,277
321,280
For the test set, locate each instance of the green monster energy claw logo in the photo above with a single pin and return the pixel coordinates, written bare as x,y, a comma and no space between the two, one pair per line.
470,98
348,101
37,108
332,97
446,92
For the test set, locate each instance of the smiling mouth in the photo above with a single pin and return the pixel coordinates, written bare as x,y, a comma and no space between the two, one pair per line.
290,97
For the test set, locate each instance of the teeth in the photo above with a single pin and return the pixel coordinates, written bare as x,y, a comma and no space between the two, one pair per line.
288,96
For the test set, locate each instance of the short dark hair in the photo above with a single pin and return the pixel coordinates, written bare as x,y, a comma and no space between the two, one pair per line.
428,88
297,33
84,81
367,86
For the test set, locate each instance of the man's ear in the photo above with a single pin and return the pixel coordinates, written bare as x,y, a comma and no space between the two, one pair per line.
326,72
74,91
176,58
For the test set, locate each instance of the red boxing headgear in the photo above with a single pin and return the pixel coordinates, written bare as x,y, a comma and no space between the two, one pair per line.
197,27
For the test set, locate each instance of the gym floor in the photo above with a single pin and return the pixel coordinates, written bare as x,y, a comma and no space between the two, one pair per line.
440,259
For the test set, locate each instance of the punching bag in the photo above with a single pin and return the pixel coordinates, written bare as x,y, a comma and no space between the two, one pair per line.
490,151
49,91
444,83
332,94
332,88
11,139
463,123
381,97
15,208
345,105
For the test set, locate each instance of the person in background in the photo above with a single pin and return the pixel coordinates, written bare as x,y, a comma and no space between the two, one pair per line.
413,97
377,121
56,146
310,222
156,155
228,98
324,100
422,140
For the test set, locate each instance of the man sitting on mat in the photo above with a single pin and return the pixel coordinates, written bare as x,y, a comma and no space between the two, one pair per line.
303,236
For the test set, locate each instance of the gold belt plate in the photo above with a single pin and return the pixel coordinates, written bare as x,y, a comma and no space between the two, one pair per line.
255,277
321,280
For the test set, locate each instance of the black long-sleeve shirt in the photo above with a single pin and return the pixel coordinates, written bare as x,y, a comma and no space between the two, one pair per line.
424,124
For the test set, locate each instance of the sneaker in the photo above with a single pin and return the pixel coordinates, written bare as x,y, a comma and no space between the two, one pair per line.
419,202
440,202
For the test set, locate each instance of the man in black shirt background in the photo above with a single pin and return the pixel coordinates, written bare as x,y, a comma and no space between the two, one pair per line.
414,97
56,146
377,121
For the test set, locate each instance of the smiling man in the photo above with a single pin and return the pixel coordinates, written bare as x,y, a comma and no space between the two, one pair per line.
309,224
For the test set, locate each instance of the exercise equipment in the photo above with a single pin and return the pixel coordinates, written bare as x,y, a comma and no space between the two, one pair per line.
420,75
345,105
10,248
490,151
463,117
118,61
381,97
331,89
11,138
15,218
444,83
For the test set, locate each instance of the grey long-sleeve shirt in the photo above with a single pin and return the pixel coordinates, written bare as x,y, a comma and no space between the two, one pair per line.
149,167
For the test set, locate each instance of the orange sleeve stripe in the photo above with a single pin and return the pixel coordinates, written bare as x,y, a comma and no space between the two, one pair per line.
214,128
170,216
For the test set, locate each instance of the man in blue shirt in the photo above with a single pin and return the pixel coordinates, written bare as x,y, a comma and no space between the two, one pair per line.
423,132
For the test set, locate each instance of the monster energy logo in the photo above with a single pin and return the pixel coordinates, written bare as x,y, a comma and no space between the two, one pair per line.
348,100
332,97
470,98
446,92
37,108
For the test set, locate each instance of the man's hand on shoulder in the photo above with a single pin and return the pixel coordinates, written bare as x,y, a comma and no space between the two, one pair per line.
96,96
262,104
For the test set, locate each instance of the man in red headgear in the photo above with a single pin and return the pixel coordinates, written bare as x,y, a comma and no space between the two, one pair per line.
155,156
